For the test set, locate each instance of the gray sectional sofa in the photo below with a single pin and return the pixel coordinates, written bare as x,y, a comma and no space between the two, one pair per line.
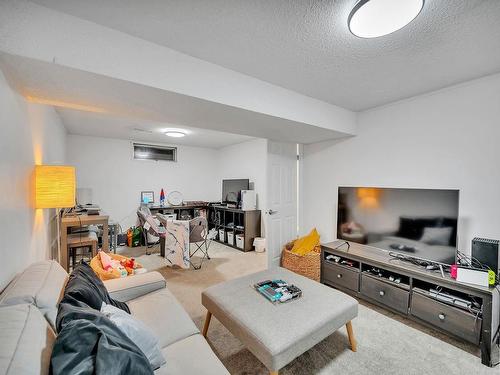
28,309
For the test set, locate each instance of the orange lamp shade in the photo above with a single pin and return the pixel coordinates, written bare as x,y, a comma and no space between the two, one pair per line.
367,192
369,197
54,186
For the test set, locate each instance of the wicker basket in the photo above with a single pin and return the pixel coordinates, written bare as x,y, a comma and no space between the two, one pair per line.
308,265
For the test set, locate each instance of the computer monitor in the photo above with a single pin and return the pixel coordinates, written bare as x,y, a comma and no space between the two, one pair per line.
231,189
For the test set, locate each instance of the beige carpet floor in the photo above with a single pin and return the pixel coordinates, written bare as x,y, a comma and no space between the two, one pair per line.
387,343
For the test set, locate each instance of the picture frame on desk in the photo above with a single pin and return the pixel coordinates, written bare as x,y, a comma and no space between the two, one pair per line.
147,196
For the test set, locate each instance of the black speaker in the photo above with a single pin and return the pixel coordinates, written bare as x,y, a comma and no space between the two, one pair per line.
486,252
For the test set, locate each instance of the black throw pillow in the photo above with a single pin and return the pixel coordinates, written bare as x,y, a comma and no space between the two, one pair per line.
89,343
84,285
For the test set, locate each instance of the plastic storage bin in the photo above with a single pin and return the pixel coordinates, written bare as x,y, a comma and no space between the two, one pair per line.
240,241
222,235
230,238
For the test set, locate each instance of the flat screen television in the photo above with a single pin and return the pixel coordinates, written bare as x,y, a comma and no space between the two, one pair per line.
421,223
231,189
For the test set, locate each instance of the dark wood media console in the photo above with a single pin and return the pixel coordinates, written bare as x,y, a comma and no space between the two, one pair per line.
410,290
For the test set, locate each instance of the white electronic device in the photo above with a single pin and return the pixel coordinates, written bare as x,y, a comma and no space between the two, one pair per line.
248,200
472,276
169,217
84,196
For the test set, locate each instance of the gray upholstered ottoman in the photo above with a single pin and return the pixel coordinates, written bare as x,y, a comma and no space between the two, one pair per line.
278,333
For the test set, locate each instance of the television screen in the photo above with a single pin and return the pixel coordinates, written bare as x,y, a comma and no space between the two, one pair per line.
421,223
231,189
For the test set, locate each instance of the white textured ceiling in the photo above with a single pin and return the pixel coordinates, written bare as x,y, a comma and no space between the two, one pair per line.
110,126
305,45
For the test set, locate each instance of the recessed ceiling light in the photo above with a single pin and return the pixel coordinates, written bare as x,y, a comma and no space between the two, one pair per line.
175,133
374,18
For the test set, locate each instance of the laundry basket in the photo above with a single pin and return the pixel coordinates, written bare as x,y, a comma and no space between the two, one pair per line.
308,265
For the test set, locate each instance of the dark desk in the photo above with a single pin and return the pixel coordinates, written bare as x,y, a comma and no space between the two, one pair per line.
190,208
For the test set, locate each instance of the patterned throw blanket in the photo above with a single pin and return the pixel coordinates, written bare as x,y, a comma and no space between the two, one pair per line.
177,243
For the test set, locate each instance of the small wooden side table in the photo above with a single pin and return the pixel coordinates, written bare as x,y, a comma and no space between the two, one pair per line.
77,221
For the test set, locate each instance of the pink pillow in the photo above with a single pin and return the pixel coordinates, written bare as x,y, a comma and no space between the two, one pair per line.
106,260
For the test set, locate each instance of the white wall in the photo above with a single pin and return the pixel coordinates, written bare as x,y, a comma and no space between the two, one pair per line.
29,134
247,160
106,166
446,139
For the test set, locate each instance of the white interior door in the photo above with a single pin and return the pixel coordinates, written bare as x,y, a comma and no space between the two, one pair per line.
281,212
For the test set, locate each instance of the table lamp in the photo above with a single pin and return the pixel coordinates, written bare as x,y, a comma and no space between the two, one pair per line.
54,186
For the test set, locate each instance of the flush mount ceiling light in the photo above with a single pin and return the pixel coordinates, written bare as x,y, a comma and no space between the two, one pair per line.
374,18
175,133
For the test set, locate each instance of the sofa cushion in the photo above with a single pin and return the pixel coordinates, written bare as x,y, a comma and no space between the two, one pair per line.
84,285
191,355
162,312
41,284
127,288
27,340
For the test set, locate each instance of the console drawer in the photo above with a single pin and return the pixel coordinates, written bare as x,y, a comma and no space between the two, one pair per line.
389,295
342,276
448,318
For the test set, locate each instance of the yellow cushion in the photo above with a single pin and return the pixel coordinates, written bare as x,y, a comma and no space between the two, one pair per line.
306,244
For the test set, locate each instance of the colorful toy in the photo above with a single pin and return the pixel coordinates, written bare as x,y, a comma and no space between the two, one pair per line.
162,198
129,264
110,265
113,273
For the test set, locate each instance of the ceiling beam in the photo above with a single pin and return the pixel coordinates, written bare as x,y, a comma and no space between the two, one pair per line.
39,34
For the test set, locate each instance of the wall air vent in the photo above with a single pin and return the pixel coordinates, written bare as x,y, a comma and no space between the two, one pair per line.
154,152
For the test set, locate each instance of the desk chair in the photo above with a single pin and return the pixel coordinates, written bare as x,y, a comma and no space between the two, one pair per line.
199,236
83,240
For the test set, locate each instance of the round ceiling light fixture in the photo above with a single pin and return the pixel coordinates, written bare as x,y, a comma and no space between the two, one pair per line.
175,133
374,18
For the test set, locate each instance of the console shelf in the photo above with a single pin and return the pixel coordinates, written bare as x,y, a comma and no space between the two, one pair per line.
235,221
468,312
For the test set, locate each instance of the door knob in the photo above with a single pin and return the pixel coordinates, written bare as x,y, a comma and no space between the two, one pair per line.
441,316
339,276
382,293
271,212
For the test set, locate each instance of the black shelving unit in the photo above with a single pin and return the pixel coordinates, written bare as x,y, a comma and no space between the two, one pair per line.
235,221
